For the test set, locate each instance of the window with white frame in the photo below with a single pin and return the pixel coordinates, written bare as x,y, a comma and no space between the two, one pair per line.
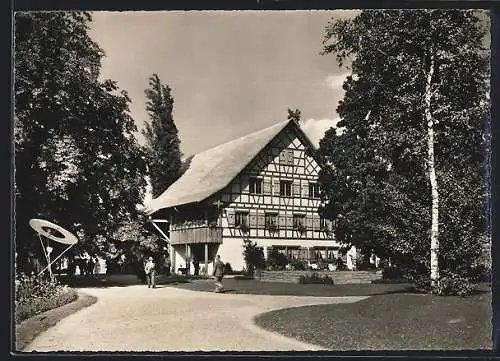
240,218
314,190
299,220
286,157
285,188
271,219
255,185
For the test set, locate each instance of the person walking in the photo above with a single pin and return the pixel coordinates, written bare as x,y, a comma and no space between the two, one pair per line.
218,274
149,269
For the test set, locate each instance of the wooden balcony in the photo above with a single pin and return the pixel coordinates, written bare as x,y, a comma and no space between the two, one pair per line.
195,234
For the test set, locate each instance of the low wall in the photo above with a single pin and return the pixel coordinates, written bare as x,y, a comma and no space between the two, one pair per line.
339,277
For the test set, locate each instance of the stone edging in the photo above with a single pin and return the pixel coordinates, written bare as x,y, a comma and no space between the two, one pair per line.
339,277
30,328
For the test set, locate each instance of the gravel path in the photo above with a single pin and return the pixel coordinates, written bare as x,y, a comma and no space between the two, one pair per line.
136,318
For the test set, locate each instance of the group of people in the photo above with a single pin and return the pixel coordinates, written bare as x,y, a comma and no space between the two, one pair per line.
218,273
88,266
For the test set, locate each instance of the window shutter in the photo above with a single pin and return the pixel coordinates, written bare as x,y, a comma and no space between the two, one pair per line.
316,222
253,220
283,157
305,189
309,222
281,221
276,188
289,221
230,218
289,159
261,220
267,187
296,189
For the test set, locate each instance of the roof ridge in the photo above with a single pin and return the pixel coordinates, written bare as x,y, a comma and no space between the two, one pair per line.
242,137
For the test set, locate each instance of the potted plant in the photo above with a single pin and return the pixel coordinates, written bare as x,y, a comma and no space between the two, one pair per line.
301,229
244,228
272,227
325,229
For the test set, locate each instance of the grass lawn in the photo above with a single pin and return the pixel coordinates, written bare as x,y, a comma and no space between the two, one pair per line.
256,287
397,321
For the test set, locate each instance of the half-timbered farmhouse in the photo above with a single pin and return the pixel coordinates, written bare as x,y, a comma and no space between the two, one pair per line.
262,186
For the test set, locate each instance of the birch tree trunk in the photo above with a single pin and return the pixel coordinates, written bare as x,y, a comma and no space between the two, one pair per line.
432,176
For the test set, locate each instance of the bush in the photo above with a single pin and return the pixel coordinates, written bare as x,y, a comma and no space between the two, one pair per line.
314,278
254,256
276,260
227,268
35,295
299,264
482,274
448,285
340,264
392,273
365,265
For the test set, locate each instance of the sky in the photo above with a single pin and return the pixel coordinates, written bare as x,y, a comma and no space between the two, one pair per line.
231,72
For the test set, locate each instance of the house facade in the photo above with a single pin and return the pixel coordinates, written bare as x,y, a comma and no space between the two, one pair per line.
263,187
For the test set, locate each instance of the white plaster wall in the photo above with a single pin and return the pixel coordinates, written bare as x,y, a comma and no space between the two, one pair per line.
231,250
179,255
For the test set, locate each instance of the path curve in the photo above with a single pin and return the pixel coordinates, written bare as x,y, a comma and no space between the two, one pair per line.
136,318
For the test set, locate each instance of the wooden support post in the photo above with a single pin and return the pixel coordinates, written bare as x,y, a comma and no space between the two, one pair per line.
187,259
172,258
172,249
206,257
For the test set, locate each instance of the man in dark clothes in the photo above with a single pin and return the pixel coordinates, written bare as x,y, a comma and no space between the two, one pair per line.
196,265
218,274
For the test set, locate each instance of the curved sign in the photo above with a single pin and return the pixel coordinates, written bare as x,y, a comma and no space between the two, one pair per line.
53,231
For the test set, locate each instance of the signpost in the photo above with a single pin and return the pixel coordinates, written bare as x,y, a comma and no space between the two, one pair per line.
55,233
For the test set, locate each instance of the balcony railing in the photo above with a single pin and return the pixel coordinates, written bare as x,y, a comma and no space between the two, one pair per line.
195,234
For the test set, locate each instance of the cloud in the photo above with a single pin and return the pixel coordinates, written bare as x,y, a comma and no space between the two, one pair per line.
315,128
335,81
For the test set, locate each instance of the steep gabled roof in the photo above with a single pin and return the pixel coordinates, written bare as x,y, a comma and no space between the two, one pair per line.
215,168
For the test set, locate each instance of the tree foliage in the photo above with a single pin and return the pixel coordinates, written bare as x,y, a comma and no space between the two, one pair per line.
137,243
164,156
77,161
378,186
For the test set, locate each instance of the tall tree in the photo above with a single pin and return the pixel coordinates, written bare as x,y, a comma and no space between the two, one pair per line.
77,161
409,163
162,140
